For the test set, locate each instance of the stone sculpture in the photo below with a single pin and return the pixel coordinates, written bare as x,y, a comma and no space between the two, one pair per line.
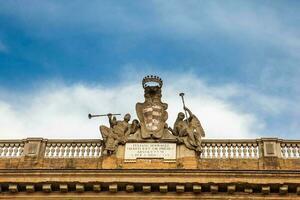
189,131
152,126
153,112
116,134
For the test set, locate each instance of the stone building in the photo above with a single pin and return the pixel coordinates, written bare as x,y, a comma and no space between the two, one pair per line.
146,159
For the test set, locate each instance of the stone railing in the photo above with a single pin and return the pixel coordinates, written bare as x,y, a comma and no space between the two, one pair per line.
225,149
290,149
211,148
73,148
11,148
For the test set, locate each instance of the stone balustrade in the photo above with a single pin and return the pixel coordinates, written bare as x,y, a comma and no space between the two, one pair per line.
225,149
11,148
73,148
290,149
211,148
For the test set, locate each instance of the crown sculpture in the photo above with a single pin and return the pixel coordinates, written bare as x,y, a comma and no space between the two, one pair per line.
151,127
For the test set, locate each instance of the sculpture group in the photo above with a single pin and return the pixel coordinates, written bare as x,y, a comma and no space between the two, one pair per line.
151,123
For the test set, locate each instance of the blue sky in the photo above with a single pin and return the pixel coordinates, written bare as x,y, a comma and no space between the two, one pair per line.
239,59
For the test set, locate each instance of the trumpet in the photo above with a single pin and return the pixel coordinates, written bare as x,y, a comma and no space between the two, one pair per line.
90,116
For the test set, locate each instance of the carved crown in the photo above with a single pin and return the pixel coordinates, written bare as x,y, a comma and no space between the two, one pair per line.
150,79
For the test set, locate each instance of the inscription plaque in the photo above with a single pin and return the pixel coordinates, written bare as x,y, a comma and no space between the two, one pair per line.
150,150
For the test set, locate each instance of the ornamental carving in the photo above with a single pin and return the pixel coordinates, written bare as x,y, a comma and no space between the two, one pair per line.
151,125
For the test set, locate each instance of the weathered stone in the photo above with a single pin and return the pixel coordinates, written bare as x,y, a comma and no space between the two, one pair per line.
13,188
231,189
163,188
197,188
63,187
180,188
30,188
298,190
248,190
283,189
96,188
129,188
46,188
79,187
146,188
214,189
113,188
265,189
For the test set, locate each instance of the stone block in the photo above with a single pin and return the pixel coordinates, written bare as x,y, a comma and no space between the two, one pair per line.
248,190
298,190
79,187
214,189
231,189
197,188
283,189
113,188
129,188
96,188
63,188
146,188
13,188
30,188
265,189
180,188
46,188
163,188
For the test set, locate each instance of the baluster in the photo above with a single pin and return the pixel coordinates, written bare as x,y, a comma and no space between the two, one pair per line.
52,150
288,150
98,149
63,150
244,150
218,146
83,150
239,149
234,150
1,149
78,150
88,150
21,149
223,150
47,151
249,147
209,148
294,150
298,147
205,153
10,150
251,151
255,150
93,150
213,150
6,150
73,150
15,152
282,150
57,150
68,150
229,150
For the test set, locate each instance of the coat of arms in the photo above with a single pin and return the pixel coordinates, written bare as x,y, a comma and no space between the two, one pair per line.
152,113
151,123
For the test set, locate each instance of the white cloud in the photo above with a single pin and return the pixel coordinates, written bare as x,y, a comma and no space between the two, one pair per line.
60,111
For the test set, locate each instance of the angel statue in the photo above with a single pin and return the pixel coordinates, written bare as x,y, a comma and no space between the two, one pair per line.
116,134
189,131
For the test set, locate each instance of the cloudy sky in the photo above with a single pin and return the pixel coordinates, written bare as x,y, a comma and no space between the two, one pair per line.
238,62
